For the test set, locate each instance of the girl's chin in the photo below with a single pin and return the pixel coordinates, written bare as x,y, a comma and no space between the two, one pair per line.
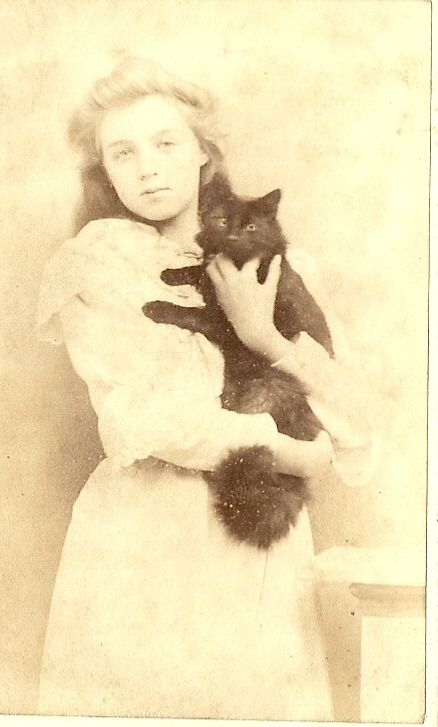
158,213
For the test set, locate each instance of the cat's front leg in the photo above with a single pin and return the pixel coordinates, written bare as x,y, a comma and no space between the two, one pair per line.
182,276
197,320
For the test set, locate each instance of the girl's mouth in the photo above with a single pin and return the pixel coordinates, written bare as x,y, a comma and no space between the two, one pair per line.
155,190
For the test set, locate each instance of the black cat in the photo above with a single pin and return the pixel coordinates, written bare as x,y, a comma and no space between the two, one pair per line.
255,503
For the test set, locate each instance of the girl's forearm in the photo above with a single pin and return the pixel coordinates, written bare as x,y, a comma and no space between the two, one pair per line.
280,351
307,360
271,344
330,384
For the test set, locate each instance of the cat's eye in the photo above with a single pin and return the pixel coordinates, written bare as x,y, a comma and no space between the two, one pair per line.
251,227
222,221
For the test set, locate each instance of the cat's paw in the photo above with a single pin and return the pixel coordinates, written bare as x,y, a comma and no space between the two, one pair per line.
157,311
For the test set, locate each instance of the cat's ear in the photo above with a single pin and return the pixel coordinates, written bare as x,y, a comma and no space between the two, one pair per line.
216,192
221,187
269,203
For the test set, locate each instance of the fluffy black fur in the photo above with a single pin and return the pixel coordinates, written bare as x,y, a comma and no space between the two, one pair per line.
255,503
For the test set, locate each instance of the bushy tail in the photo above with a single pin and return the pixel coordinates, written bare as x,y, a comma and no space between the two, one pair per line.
252,500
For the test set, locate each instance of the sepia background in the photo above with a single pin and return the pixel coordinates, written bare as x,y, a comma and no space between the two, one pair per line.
327,100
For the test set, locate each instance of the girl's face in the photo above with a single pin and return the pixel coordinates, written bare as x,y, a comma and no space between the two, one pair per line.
152,157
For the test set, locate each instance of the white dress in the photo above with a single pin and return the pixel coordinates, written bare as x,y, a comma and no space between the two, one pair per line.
156,611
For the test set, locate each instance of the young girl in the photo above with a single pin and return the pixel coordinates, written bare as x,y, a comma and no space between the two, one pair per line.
156,610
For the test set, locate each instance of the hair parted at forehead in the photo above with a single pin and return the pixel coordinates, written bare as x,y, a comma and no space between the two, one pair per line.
132,79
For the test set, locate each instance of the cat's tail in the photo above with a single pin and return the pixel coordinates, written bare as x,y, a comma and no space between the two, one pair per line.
256,504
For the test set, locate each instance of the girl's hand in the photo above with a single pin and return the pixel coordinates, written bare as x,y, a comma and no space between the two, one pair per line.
248,304
302,458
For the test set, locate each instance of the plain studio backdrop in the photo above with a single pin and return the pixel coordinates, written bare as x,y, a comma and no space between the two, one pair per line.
328,101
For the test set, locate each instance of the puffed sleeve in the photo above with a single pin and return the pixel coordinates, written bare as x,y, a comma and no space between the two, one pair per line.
338,391
155,388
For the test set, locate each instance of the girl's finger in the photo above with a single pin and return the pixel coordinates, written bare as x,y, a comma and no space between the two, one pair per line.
250,268
225,266
214,274
274,271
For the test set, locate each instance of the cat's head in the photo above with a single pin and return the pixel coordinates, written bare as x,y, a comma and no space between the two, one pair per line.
239,227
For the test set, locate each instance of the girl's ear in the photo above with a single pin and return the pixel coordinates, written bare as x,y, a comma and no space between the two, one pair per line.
204,158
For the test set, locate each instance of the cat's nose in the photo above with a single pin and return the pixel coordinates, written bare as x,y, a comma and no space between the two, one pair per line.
232,238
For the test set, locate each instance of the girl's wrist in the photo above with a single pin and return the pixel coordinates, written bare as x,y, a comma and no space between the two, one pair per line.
271,344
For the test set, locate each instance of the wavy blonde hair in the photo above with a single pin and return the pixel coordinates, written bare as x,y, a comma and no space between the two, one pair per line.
132,79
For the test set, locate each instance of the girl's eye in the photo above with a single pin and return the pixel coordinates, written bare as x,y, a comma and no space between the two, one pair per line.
122,154
166,144
251,227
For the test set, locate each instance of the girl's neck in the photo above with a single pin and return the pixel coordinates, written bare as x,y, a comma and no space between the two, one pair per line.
183,228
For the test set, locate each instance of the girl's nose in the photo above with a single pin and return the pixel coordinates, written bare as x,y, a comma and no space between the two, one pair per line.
147,164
